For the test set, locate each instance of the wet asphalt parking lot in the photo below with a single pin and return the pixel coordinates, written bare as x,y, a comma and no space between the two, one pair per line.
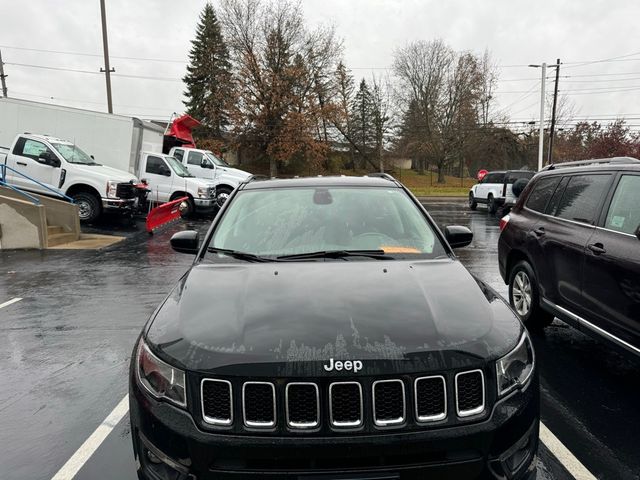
65,349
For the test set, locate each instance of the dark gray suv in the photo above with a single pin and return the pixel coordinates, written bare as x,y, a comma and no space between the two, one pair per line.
570,248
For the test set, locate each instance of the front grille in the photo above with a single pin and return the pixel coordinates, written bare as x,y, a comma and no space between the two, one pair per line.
302,405
388,402
216,402
125,191
469,393
345,404
259,404
366,405
430,398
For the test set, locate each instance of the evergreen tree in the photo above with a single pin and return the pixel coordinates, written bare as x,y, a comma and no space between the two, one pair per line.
208,78
362,119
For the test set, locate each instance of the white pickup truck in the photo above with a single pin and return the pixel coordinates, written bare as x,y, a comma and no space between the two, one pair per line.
168,179
205,164
68,170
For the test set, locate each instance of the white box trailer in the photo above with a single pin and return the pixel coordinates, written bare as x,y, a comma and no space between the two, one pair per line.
114,140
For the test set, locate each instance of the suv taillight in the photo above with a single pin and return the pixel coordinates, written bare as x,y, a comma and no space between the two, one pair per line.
503,222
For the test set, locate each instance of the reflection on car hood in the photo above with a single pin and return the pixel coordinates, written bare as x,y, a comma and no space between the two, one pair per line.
295,316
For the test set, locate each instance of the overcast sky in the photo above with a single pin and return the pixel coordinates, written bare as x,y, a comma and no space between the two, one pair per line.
515,32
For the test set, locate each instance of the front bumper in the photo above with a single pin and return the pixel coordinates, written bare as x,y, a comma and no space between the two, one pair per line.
117,203
205,204
483,450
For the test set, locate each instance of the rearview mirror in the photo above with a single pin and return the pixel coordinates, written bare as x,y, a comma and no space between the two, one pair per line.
187,241
458,236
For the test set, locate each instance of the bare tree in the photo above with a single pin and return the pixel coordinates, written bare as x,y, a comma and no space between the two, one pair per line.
441,92
283,73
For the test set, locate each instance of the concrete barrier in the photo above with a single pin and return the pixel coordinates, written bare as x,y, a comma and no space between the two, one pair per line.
24,224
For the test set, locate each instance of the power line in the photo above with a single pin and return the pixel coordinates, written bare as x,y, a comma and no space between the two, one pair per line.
144,59
63,69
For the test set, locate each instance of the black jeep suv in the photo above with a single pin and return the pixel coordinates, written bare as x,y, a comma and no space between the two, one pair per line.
326,330
570,248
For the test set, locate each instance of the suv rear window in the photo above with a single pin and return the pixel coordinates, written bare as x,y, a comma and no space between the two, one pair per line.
582,198
542,191
513,176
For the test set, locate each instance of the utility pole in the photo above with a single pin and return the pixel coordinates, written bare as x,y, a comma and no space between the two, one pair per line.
105,43
553,114
2,77
541,139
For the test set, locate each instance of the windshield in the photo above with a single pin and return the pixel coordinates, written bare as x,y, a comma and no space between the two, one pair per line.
73,154
293,221
216,160
178,167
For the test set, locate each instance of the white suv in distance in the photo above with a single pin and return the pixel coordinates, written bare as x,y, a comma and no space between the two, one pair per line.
495,189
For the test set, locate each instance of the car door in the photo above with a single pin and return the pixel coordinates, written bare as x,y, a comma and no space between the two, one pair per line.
200,166
611,285
568,225
160,178
481,188
26,159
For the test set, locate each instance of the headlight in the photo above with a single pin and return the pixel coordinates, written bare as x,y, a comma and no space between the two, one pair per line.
112,188
160,379
515,368
203,192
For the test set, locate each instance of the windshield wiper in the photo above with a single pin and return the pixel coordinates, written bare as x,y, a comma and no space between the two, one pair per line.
377,254
239,255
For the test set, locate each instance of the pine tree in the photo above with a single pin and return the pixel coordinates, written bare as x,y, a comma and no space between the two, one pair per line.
362,121
208,78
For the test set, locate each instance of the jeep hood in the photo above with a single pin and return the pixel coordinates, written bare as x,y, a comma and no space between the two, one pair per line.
291,318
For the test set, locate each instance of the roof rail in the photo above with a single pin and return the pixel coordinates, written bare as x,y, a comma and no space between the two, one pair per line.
594,161
386,176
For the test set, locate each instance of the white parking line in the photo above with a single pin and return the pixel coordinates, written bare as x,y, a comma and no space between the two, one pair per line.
562,453
10,302
88,448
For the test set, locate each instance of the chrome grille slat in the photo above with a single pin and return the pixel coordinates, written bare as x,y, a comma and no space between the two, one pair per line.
345,405
470,393
216,399
388,409
430,394
260,409
302,405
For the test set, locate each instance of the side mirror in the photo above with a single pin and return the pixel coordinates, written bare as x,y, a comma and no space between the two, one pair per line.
458,236
638,232
164,170
187,241
49,159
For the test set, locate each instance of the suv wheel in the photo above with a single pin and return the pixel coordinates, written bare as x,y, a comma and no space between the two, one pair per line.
472,202
524,297
493,207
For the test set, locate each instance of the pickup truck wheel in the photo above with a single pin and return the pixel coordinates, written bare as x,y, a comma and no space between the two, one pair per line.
472,202
186,207
524,297
88,206
222,194
492,206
